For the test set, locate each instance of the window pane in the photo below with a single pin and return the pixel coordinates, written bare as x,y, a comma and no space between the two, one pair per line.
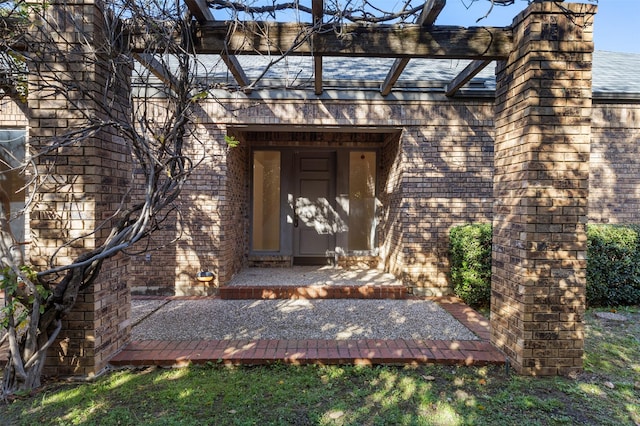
266,201
12,150
362,201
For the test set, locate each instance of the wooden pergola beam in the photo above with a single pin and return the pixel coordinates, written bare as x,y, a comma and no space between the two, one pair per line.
388,41
427,18
465,75
393,75
317,75
317,9
202,13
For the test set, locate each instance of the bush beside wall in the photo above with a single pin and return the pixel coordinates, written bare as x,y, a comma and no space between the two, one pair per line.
613,268
471,263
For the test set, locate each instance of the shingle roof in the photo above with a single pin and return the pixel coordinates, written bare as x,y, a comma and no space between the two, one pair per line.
297,71
614,74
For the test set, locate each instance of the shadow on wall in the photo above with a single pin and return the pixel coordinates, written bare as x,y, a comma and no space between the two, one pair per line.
447,181
540,214
614,193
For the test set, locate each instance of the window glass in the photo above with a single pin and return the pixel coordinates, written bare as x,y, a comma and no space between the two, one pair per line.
12,151
266,201
362,200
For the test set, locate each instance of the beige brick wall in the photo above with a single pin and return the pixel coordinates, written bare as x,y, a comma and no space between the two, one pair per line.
391,192
447,181
13,113
441,160
234,235
429,156
81,186
614,190
436,175
153,268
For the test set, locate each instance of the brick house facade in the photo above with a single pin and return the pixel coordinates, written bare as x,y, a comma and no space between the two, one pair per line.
530,158
429,154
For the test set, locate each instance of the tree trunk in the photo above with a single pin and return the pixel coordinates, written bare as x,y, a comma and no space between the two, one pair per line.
27,358
14,383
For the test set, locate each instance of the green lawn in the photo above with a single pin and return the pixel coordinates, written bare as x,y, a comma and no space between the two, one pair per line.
607,393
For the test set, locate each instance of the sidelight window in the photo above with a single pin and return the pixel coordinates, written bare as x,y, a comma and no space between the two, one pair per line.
266,201
362,200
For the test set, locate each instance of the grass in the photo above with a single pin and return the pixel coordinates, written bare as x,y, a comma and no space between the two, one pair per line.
607,393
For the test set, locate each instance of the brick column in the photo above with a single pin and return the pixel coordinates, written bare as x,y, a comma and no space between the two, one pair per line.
82,185
543,131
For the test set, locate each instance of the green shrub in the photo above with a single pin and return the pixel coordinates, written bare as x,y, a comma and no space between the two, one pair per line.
613,268
471,263
613,264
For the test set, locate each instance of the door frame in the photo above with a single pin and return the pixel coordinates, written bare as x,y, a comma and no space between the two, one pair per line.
297,177
287,194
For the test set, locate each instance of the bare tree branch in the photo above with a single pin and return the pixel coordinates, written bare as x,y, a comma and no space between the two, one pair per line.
160,164
358,13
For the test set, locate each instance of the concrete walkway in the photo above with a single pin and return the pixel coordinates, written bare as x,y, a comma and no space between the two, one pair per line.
181,351
313,282
327,316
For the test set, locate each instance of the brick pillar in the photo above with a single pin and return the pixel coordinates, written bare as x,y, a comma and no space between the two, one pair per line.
543,132
82,185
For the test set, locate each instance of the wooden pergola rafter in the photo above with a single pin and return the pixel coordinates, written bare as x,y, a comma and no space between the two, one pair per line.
317,7
157,69
425,40
430,12
202,13
465,75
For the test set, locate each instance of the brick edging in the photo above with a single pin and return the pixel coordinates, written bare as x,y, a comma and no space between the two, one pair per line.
319,351
469,317
304,352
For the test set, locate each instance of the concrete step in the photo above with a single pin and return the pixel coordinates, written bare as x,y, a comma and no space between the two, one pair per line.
313,292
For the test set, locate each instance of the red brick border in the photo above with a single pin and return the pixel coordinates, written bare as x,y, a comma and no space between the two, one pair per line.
300,352
325,352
